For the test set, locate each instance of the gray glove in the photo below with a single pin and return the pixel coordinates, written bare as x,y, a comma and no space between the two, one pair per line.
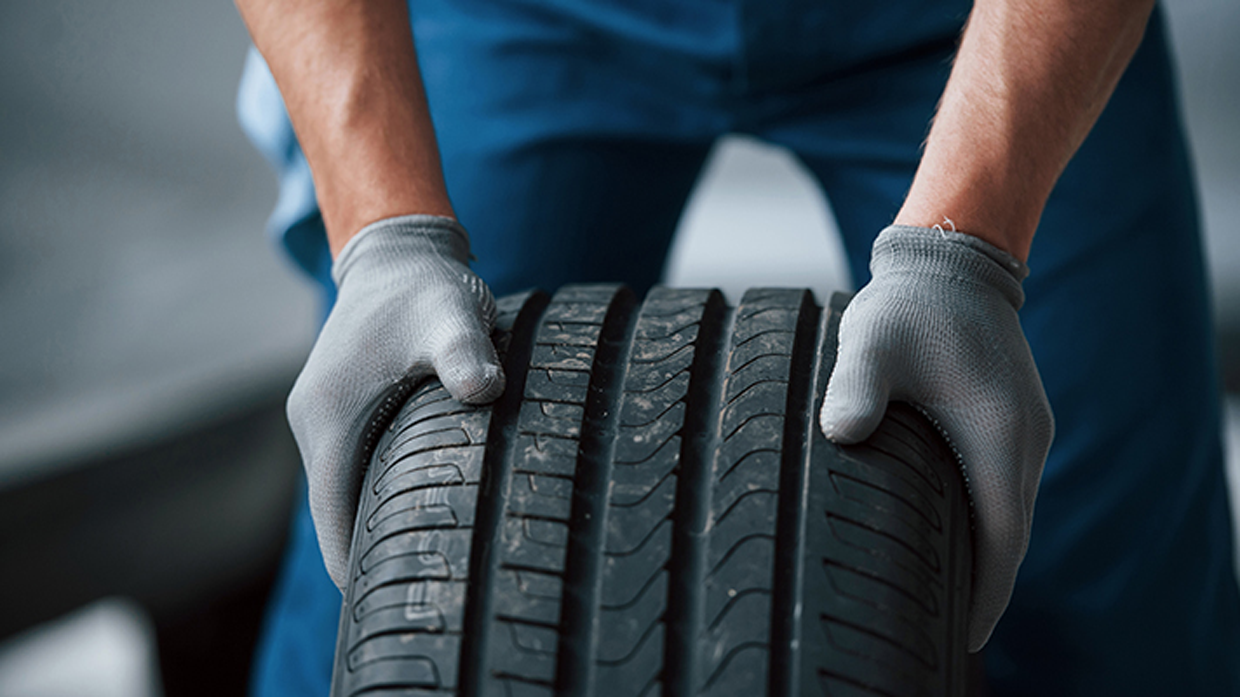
937,327
408,307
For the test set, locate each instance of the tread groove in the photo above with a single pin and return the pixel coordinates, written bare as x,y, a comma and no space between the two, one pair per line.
686,569
498,464
600,423
800,428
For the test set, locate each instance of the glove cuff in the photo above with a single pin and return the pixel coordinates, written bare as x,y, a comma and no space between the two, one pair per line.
395,239
923,251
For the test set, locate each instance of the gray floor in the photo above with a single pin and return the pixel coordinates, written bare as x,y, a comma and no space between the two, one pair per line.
138,293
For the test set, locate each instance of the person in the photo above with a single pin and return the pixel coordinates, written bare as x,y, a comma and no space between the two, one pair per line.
569,134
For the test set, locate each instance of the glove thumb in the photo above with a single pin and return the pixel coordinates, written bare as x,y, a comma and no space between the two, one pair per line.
468,366
856,399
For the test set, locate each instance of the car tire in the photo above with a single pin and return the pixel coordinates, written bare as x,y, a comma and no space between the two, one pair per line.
651,509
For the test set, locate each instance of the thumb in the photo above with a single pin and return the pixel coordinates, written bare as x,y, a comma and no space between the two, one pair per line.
468,366
856,398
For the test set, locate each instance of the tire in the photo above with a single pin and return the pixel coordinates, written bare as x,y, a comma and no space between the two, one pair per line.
651,509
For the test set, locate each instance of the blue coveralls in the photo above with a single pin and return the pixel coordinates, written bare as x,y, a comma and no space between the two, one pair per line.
571,133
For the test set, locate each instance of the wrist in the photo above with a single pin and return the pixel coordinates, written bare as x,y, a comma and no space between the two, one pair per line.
394,242
957,258
1008,228
344,223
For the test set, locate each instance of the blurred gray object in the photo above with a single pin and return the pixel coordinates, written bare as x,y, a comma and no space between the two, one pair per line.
1204,33
151,330
113,641
139,293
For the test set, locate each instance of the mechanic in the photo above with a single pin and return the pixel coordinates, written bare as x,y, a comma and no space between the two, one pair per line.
569,134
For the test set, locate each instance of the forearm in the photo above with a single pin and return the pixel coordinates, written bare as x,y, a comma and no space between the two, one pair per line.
1028,83
349,78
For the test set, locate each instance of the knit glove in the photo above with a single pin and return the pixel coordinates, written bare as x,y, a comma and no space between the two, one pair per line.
937,327
408,307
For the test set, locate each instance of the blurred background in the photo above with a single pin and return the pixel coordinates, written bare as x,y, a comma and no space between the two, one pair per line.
150,330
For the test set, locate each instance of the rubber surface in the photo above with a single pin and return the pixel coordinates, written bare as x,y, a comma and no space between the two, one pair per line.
650,509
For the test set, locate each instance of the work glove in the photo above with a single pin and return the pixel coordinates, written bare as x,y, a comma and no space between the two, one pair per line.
408,307
936,326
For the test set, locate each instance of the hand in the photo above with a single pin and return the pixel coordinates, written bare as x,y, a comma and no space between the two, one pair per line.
937,327
408,307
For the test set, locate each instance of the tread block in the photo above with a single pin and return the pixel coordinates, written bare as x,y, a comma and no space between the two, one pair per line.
569,333
426,663
434,468
444,411
431,507
528,595
660,337
887,531
407,440
554,418
583,293
769,346
543,454
562,357
412,619
449,436
855,585
523,651
395,672
880,641
890,495
557,385
634,525
631,483
768,367
639,409
583,310
427,394
647,377
627,578
745,569
452,545
744,495
740,672
521,550
448,598
511,687
754,419
630,625
540,495
637,445
879,452
756,471
639,673
745,620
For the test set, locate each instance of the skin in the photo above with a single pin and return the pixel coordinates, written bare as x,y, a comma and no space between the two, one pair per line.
1028,83
350,80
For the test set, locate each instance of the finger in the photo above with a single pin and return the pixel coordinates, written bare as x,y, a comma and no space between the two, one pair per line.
990,442
856,398
327,431
333,506
996,560
468,366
